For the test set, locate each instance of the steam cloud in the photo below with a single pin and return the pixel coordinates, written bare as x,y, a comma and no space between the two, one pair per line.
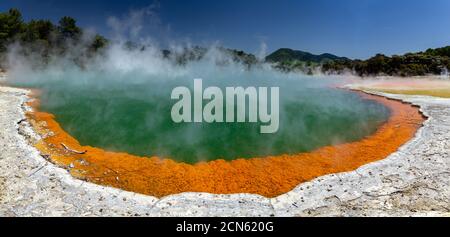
120,98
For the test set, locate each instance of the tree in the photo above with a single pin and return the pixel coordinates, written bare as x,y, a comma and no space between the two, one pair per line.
38,30
98,43
68,29
11,24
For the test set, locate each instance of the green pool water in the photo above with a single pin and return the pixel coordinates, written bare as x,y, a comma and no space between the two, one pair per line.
131,113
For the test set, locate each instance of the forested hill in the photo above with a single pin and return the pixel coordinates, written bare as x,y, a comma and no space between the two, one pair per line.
430,62
283,55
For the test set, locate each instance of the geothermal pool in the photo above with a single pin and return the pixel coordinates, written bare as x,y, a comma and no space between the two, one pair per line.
109,121
131,113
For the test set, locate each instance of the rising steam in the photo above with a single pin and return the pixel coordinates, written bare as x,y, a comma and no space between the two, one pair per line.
119,99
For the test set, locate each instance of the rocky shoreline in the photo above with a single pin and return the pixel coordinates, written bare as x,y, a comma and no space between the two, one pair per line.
411,182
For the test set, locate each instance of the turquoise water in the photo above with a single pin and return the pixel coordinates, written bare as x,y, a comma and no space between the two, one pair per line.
130,112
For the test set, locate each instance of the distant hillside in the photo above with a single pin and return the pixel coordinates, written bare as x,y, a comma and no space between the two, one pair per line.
443,52
288,55
431,62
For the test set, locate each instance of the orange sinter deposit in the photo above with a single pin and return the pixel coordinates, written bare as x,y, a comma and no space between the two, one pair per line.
268,176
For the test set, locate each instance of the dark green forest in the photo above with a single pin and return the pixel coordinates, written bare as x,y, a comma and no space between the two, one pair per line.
42,37
430,62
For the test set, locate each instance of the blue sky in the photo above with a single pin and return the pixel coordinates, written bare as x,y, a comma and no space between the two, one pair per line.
352,28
